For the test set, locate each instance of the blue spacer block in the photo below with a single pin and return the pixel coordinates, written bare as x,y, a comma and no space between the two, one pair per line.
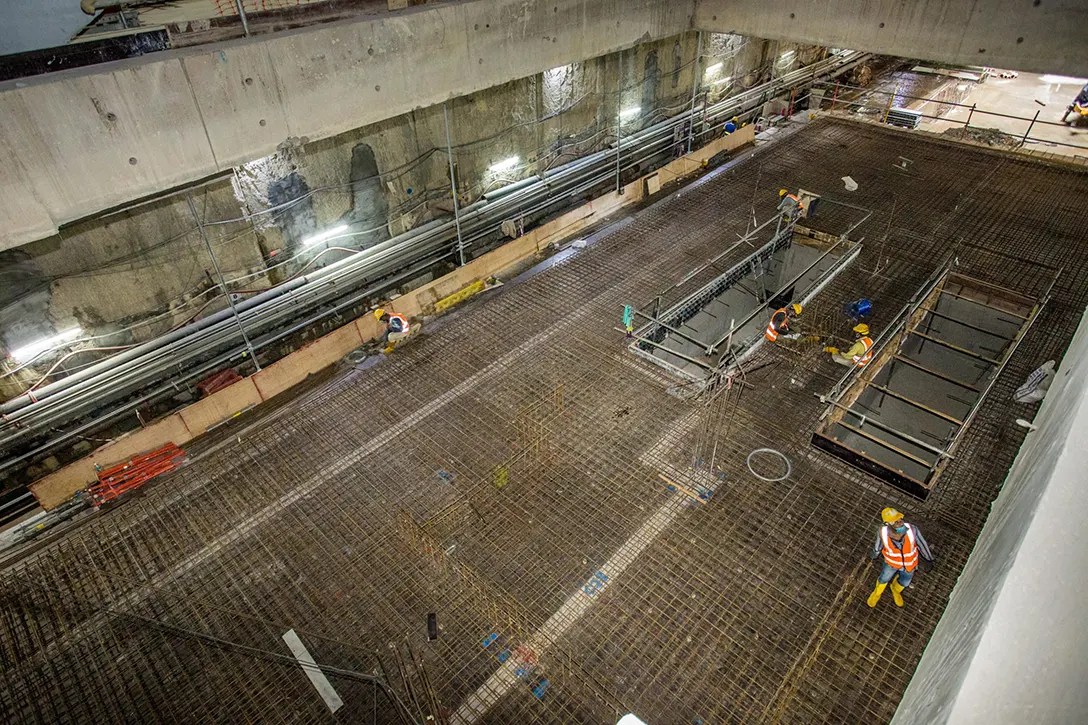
489,639
503,656
602,577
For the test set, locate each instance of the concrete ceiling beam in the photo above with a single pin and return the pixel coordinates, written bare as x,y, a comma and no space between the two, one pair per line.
1042,36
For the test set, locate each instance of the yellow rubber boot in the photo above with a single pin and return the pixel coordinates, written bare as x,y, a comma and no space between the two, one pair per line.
389,349
875,596
897,593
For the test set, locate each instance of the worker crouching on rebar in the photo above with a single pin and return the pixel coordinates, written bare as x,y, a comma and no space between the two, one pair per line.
901,544
784,323
790,205
859,354
396,328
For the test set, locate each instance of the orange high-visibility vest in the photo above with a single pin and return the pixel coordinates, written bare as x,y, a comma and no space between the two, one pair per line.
771,333
403,321
863,359
905,558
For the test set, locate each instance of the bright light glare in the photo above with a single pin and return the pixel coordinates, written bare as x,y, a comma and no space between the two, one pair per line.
630,719
628,112
29,351
1063,80
711,70
505,164
327,234
723,80
788,53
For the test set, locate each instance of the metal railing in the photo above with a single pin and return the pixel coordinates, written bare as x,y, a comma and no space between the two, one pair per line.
837,101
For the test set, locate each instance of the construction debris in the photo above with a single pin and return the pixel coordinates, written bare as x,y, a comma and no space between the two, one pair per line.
987,136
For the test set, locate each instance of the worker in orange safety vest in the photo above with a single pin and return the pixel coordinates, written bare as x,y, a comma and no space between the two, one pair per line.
783,323
901,544
396,328
790,206
859,354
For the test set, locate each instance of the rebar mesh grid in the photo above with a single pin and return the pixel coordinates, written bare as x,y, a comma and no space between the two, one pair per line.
496,470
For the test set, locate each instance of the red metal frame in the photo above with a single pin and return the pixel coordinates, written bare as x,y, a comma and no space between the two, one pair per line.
133,473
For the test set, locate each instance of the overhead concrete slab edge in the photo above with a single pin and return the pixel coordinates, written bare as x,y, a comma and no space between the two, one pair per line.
89,139
1026,35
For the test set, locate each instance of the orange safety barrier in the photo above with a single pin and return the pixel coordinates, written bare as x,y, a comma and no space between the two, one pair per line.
133,473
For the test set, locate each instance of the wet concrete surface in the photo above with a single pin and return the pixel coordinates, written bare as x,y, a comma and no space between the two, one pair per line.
1021,97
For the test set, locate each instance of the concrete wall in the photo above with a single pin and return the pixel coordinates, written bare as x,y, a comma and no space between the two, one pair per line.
1012,646
75,143
1031,35
379,180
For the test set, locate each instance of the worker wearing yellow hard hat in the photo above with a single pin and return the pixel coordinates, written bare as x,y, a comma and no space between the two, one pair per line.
901,545
783,323
396,328
859,354
789,205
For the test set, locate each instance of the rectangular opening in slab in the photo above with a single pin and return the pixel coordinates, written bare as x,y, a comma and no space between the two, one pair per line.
900,417
724,319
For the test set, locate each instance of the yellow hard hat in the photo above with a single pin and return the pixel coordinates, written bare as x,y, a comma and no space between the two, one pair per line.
890,515
861,328
378,313
782,192
796,308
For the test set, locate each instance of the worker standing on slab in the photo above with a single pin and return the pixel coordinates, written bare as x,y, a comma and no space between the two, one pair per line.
789,205
396,328
901,544
859,354
784,323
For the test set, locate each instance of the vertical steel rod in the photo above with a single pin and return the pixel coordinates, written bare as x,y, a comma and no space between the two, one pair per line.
695,87
453,188
222,282
242,14
1030,126
619,123
967,123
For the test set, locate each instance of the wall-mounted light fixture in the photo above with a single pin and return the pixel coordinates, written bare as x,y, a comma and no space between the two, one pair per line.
505,164
327,234
27,352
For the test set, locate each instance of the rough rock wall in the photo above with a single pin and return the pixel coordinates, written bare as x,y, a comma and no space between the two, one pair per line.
138,272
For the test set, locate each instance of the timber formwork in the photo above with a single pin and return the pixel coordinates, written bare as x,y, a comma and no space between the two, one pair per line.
503,471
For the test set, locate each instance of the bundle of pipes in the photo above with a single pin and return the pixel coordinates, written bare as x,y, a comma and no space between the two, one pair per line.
97,394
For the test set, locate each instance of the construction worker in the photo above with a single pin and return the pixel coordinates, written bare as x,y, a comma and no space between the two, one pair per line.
1079,104
901,544
859,354
396,328
789,205
780,323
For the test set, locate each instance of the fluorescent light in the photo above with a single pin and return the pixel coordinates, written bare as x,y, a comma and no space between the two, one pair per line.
714,68
723,80
1063,80
788,53
29,351
327,234
628,112
505,164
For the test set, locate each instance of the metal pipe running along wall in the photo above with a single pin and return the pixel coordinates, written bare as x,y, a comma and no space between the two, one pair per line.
104,391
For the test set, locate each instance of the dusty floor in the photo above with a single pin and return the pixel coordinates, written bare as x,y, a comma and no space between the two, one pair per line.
492,472
1021,97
